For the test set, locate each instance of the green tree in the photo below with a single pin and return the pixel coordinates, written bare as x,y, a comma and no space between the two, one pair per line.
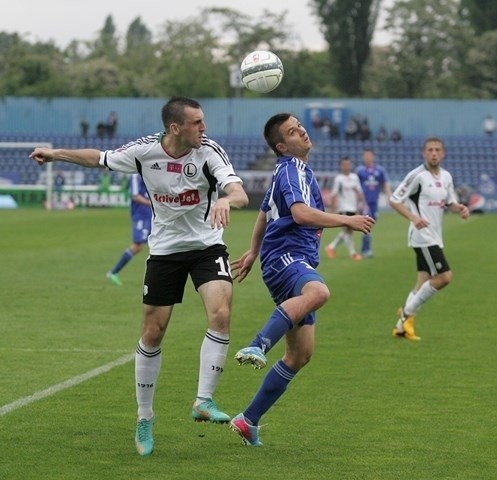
139,57
481,13
187,63
138,37
348,27
97,77
482,66
307,74
30,69
106,45
428,50
244,34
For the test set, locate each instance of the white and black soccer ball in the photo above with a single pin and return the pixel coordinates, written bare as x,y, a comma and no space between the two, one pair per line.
261,71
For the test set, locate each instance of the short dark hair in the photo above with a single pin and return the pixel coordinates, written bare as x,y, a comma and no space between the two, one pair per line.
272,133
433,139
174,110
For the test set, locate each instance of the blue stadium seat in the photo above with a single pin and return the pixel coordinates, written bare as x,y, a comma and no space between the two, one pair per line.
467,157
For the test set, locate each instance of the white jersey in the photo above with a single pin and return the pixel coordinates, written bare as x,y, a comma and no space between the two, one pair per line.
426,195
182,190
346,188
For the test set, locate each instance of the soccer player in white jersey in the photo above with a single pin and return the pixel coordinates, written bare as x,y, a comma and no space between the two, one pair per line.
422,197
287,235
347,198
182,170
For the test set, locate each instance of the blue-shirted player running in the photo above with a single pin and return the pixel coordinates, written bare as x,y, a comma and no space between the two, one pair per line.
141,219
374,180
287,236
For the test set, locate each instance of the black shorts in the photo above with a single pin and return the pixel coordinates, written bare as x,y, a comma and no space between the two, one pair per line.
349,214
431,260
166,275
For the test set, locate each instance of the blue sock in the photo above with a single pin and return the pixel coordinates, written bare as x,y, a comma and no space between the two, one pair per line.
366,243
277,325
273,386
125,258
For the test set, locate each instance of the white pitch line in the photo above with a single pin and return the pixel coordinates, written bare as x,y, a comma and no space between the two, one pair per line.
22,402
61,350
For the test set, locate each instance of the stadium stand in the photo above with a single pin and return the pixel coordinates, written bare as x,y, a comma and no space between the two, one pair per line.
467,157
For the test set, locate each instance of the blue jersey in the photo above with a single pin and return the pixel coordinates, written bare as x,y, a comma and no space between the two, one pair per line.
372,181
293,182
137,187
141,215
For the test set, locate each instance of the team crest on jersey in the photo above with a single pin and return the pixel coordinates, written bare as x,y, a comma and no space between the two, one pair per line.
190,170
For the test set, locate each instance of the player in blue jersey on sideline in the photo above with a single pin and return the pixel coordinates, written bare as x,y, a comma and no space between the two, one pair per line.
374,180
141,220
287,235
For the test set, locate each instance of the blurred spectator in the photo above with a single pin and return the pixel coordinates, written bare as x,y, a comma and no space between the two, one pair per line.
364,130
395,136
105,181
101,130
85,126
59,181
316,120
351,129
112,124
334,131
382,134
109,127
489,125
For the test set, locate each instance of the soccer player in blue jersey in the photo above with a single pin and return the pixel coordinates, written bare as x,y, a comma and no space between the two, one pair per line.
183,171
141,223
286,236
374,180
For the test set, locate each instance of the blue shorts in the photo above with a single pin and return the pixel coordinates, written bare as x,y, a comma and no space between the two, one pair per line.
286,280
141,230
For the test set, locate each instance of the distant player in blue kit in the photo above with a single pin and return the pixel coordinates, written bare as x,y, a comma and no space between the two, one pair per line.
374,180
141,220
287,236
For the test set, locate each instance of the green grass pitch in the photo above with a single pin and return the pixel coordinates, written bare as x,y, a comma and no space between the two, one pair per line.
367,406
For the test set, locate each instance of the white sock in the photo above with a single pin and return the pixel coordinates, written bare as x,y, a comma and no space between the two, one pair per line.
349,243
338,240
425,292
212,360
409,298
147,367
411,295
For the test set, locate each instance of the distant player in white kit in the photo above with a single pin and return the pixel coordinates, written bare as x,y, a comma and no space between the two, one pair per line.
347,198
422,198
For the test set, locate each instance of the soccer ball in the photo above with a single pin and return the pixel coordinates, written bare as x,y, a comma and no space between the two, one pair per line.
261,71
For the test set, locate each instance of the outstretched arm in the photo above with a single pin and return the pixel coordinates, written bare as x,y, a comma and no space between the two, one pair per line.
312,217
85,157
